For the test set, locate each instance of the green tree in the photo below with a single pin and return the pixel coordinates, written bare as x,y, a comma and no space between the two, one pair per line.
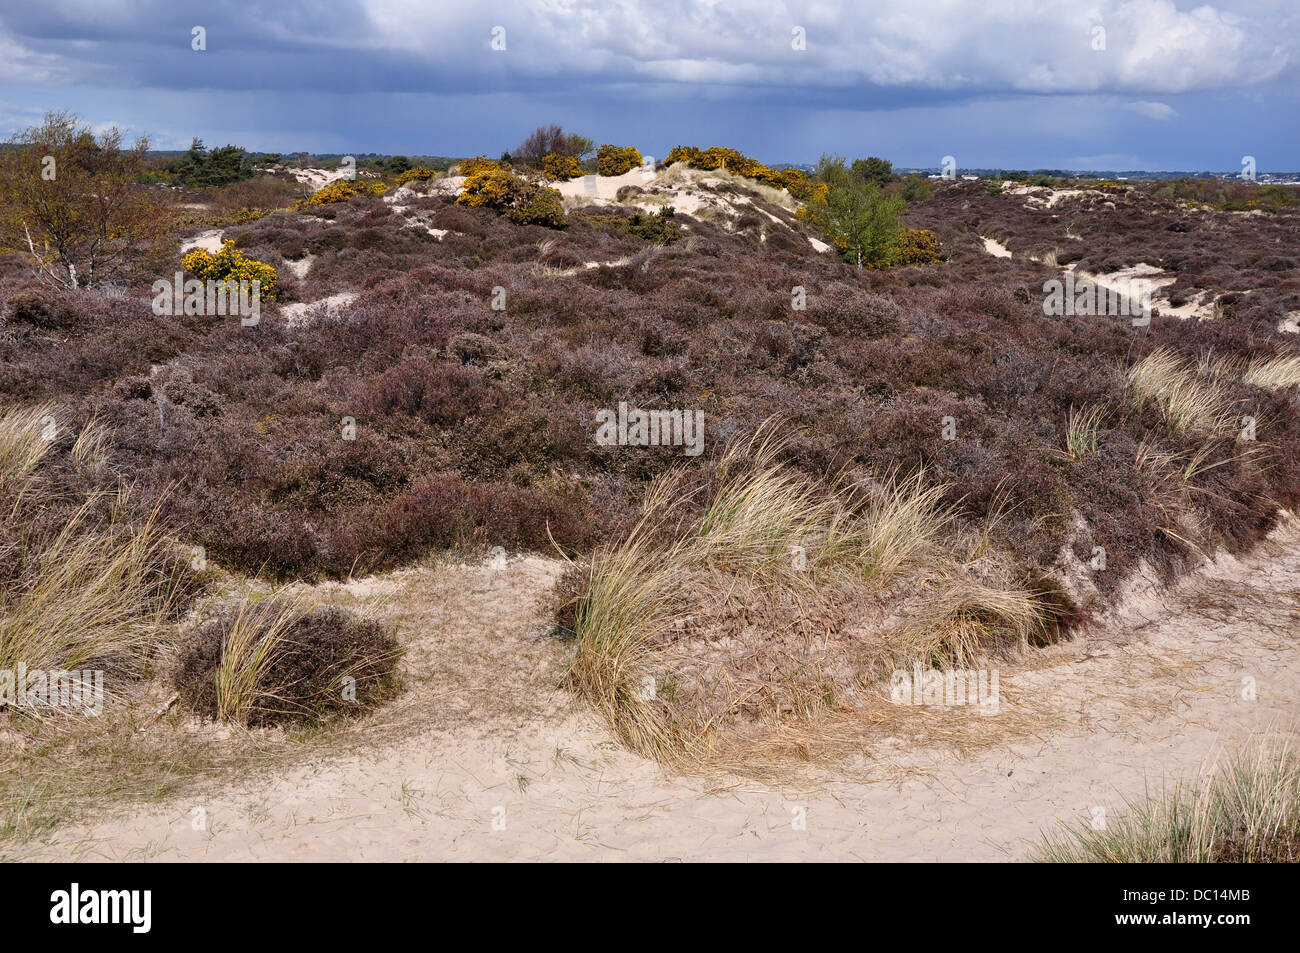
551,140
874,169
201,168
863,222
67,198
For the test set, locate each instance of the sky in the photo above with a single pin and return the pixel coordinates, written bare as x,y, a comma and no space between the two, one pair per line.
1016,84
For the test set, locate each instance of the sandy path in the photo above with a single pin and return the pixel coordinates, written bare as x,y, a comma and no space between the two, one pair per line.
1131,703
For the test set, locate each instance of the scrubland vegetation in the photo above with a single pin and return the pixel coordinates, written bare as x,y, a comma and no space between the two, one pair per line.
912,464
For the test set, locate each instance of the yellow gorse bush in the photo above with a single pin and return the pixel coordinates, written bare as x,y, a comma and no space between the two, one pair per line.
472,167
493,187
229,264
341,191
524,202
615,160
561,168
410,175
720,157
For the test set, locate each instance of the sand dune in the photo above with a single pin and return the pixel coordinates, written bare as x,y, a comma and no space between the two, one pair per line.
1133,702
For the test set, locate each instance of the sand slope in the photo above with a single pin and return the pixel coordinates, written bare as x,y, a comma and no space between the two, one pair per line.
1134,701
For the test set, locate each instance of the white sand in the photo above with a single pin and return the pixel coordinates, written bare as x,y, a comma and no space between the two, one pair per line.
603,187
1121,282
209,240
1130,703
995,248
317,178
300,312
301,266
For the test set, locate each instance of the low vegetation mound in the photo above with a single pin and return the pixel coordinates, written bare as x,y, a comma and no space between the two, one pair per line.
269,661
88,581
758,595
721,157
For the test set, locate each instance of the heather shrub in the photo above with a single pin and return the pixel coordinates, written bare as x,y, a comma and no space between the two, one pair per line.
617,160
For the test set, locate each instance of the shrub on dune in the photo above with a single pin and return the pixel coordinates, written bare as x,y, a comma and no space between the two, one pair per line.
341,190
561,168
617,160
230,264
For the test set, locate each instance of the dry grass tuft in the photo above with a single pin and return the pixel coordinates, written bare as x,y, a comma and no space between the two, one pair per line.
92,592
1081,429
1273,374
1188,400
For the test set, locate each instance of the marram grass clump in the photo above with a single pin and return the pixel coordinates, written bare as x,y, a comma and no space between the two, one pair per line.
272,661
1245,811
733,607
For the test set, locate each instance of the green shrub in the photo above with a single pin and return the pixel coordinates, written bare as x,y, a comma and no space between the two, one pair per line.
541,208
658,228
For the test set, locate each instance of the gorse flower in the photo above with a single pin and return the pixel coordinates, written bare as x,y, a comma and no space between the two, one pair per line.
341,191
616,160
419,172
720,157
229,264
561,168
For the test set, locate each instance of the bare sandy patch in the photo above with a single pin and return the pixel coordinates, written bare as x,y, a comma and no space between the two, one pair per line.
995,247
209,240
301,311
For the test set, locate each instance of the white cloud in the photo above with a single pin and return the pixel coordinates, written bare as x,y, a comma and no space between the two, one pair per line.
1043,46
1153,110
